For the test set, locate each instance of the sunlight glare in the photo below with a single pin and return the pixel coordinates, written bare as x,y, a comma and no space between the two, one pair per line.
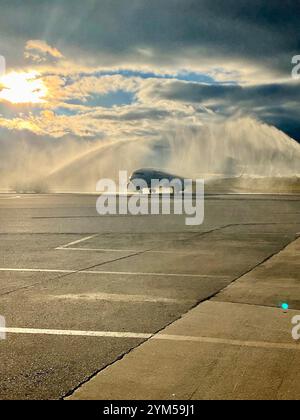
20,88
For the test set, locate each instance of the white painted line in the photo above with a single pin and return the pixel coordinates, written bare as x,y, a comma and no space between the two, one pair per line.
175,252
97,249
124,273
10,198
120,273
257,233
77,242
166,337
117,297
35,270
74,333
224,341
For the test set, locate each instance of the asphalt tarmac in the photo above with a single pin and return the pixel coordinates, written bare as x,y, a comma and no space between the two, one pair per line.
78,291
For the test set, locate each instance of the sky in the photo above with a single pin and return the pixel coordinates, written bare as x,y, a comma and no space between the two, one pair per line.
130,69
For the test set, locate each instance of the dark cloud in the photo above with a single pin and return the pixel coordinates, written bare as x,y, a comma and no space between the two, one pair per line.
258,31
136,115
194,92
276,104
257,34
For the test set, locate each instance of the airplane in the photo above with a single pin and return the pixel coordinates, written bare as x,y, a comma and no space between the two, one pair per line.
155,180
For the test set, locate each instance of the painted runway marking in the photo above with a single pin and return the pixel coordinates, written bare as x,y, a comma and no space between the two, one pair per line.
157,337
224,341
117,297
75,333
97,249
10,198
69,247
35,270
175,252
77,242
120,273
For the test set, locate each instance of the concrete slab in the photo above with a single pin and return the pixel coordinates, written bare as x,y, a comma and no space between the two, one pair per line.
240,366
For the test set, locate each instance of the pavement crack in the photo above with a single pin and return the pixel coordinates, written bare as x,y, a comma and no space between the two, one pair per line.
80,270
120,357
255,267
94,374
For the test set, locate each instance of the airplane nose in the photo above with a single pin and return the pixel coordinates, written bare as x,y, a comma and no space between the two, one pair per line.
131,186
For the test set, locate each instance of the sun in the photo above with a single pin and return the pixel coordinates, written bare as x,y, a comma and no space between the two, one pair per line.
20,88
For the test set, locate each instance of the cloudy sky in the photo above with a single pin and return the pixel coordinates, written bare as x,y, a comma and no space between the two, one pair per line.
99,69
